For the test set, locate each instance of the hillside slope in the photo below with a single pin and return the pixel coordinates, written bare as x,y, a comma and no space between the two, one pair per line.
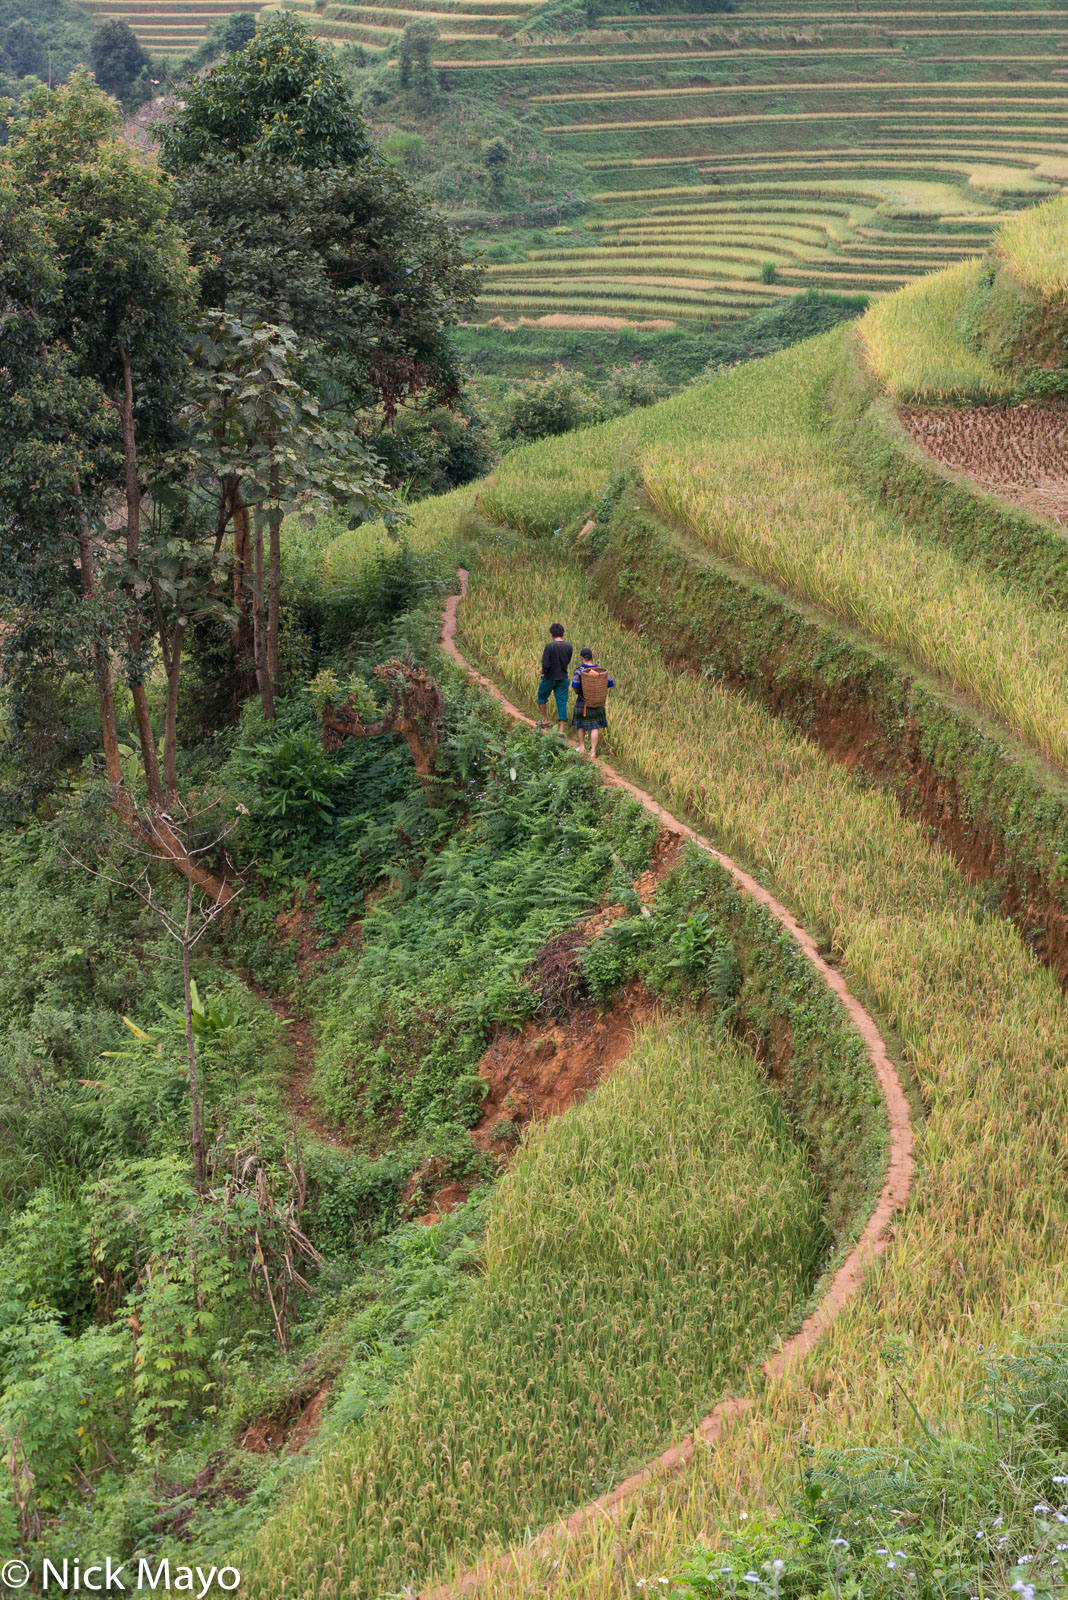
733,159
740,564
727,158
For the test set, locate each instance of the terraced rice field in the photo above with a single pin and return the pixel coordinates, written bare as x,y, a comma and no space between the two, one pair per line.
170,27
796,143
736,156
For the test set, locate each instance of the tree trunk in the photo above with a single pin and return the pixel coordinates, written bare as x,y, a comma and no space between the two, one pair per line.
274,585
101,666
259,618
173,663
196,1135
155,830
241,635
147,738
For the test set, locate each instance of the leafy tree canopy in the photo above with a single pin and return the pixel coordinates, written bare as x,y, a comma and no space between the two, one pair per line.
280,98
296,220
24,50
62,32
117,57
95,292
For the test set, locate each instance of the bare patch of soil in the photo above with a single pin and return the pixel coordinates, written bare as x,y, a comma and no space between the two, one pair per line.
543,1070
1018,452
288,1432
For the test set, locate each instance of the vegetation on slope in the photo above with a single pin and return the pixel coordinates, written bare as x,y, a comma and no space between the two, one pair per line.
976,1256
981,331
640,1254
1036,247
915,348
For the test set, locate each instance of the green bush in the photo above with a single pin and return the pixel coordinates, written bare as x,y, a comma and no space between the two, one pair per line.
549,405
443,958
936,1513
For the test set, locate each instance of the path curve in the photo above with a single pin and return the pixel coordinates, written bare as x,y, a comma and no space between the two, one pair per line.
877,1230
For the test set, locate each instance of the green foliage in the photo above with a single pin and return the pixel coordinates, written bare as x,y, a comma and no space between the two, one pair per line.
403,148
407,1286
24,50
279,98
443,958
97,288
415,57
36,35
671,357
253,423
116,57
801,317
298,221
432,451
946,1513
528,180
554,404
333,818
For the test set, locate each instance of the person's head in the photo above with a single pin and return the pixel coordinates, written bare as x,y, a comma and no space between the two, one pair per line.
586,654
556,630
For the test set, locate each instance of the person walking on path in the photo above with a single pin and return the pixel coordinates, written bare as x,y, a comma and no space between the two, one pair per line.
555,660
591,684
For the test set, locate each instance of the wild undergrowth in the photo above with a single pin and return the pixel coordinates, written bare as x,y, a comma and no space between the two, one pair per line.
977,1256
442,957
640,1253
934,1512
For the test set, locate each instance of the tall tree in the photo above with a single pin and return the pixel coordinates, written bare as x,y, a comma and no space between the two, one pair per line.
416,58
117,57
296,221
97,293
258,436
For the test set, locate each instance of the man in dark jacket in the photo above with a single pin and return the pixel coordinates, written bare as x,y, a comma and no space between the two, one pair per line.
555,678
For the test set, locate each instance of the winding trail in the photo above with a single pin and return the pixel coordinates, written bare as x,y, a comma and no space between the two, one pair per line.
877,1230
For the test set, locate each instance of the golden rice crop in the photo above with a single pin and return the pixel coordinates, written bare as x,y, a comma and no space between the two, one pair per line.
557,319
773,506
980,1251
1035,243
641,1253
741,464
913,346
840,86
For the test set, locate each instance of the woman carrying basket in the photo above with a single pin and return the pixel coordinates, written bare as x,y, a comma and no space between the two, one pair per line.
591,684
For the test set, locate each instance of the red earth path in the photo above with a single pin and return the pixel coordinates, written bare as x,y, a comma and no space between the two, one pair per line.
877,1230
